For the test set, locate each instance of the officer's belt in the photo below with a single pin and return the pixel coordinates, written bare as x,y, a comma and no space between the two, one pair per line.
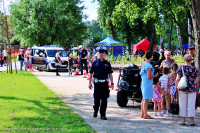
100,80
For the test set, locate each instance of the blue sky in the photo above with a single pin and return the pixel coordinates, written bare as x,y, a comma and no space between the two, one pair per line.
91,10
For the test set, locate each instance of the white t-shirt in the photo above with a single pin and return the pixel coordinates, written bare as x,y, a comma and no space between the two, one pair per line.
178,52
4,53
163,81
57,55
28,52
25,59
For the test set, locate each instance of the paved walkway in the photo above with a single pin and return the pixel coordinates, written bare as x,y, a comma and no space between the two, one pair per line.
73,90
4,68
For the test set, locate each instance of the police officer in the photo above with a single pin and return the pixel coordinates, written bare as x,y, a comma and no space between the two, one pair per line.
82,55
102,70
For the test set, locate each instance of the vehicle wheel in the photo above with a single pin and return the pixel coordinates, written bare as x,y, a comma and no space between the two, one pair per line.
122,98
48,68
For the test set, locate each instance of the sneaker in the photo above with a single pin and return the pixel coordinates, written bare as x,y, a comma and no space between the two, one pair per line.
160,114
163,111
155,114
168,113
71,73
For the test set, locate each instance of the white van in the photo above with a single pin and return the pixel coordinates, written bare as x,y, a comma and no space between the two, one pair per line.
45,57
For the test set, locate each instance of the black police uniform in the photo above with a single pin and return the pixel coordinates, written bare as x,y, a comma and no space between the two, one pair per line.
83,53
101,90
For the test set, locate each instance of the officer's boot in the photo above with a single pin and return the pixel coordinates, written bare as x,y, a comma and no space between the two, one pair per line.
103,109
96,107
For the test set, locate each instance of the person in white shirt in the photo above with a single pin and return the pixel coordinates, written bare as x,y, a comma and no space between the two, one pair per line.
5,56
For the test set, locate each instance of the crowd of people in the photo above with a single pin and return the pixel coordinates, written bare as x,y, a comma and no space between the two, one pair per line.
163,88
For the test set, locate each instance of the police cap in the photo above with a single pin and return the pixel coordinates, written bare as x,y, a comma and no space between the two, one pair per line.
101,49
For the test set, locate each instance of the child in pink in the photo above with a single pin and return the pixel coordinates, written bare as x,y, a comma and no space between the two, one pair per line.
157,96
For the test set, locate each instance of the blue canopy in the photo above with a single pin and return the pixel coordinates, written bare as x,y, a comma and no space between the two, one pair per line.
108,41
185,46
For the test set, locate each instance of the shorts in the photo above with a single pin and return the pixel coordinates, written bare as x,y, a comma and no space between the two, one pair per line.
70,67
4,58
166,98
25,63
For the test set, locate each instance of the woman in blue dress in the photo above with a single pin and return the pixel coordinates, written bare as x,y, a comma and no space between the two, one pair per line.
147,75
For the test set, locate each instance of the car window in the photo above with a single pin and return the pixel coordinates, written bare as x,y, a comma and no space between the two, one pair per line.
52,53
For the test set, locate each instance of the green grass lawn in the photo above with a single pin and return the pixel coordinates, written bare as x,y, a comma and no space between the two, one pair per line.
27,105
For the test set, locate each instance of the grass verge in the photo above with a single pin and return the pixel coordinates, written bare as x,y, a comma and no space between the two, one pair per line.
27,105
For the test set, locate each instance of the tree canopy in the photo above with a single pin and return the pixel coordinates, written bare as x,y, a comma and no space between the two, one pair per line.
41,22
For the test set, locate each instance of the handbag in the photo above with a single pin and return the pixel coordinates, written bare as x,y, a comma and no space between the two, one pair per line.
182,84
174,107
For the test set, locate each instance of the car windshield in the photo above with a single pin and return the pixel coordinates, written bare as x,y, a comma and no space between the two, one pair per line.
52,53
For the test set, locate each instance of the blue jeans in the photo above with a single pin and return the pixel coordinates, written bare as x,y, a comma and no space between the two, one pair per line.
21,64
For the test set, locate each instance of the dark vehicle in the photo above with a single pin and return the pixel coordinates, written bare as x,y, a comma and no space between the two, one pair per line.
130,81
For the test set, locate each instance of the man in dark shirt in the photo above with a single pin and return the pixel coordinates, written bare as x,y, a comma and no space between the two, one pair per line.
82,55
102,70
192,52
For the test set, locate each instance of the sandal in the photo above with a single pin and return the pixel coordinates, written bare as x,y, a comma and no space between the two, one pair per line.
182,123
193,124
147,117
141,116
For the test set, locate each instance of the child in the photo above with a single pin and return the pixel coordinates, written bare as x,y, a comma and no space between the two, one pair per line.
157,96
26,62
163,82
171,81
71,62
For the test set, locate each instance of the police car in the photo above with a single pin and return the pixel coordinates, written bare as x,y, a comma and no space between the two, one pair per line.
44,57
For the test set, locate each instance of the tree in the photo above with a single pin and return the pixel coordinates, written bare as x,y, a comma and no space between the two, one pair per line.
41,22
104,15
195,15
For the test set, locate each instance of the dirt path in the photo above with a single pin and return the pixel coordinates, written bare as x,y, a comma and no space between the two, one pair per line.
73,90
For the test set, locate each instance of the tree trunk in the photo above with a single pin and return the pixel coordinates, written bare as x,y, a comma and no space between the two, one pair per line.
112,30
179,39
161,42
195,15
170,34
196,11
197,41
152,36
129,46
189,32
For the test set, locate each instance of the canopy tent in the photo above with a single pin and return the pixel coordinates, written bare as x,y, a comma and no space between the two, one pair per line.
115,46
144,45
185,46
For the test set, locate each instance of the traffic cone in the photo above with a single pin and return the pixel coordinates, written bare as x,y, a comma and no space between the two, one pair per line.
84,74
109,84
88,76
77,71
117,86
